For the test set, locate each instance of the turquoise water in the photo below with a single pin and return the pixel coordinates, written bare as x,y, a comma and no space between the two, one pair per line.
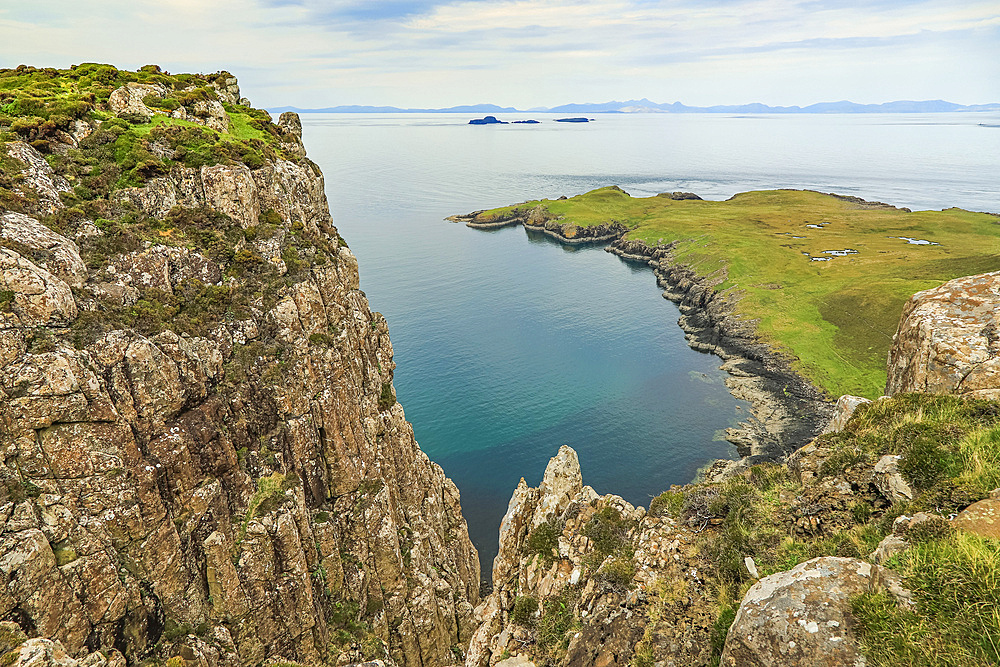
509,345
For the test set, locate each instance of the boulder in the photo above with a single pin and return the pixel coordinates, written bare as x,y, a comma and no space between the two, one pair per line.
290,122
889,481
210,113
39,178
802,617
948,340
982,518
846,405
57,254
129,99
34,297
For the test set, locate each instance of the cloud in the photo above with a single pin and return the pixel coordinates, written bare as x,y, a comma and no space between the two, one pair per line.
530,52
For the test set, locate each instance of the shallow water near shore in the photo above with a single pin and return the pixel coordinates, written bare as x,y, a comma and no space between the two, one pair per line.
509,344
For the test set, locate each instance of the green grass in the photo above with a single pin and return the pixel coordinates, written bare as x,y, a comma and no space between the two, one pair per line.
956,617
834,318
950,451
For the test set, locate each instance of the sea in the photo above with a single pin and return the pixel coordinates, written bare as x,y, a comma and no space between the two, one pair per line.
509,344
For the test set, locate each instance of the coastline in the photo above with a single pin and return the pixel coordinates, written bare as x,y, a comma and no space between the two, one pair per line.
787,411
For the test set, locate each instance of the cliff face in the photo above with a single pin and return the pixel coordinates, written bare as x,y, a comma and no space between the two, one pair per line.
203,456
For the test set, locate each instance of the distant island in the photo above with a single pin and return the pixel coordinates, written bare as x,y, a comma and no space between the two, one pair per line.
646,106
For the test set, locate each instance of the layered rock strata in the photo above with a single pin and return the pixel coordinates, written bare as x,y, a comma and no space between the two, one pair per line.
234,485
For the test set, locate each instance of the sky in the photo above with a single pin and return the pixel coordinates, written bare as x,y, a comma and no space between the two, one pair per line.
532,53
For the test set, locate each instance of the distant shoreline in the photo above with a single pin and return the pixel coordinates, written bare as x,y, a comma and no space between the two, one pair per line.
645,106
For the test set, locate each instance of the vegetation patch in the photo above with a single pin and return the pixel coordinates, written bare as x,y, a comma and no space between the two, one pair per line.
543,541
955,620
950,449
834,318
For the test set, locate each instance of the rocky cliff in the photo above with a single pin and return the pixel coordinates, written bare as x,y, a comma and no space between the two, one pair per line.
795,564
203,457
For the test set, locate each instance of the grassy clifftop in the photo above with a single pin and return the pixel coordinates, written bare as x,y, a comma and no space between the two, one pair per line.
825,276
44,106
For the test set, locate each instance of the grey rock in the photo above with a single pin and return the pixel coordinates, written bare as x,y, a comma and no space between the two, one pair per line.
129,99
846,405
61,256
948,340
39,177
889,481
802,617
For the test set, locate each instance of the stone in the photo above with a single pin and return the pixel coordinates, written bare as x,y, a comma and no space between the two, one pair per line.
290,122
516,661
889,481
39,298
155,199
981,518
561,482
129,99
59,255
211,114
42,183
846,405
948,340
889,547
230,189
803,616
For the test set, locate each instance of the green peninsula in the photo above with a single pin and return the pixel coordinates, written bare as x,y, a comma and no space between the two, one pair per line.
825,277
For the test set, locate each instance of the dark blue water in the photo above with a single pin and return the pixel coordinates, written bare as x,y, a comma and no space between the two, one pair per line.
509,345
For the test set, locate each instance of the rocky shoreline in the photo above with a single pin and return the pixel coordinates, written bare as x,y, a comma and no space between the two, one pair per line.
537,219
787,411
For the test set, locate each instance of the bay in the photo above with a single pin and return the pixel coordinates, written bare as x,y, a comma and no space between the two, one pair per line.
508,344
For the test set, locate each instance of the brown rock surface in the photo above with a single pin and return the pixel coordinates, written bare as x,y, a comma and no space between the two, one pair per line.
948,340
226,498
610,616
982,518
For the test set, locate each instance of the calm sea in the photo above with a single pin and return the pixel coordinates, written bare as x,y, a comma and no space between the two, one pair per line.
509,345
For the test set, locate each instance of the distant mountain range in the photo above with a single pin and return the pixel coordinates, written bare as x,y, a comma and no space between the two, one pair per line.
646,106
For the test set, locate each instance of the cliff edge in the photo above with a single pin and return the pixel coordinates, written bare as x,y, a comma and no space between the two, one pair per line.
203,457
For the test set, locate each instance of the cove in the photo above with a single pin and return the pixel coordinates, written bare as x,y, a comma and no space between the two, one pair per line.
509,344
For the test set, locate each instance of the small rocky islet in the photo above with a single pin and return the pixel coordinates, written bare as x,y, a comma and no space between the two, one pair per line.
205,464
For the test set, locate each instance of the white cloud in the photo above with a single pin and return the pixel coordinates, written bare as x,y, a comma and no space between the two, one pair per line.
531,52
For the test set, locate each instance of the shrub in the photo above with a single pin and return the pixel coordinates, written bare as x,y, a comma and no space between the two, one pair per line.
386,398
608,532
668,503
543,541
617,573
523,612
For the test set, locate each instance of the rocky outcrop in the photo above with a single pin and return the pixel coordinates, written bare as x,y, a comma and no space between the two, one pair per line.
53,252
787,411
129,99
40,186
593,568
202,456
948,340
803,616
538,219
